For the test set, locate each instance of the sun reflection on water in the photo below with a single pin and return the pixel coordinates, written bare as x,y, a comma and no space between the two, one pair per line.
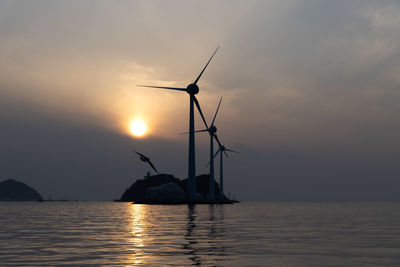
138,234
188,235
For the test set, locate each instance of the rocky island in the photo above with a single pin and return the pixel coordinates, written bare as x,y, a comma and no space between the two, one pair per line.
166,189
12,190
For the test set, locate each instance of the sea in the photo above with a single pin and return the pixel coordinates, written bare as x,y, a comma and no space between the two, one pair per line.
242,234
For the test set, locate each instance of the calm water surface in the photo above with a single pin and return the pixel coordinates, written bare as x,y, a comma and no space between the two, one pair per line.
245,234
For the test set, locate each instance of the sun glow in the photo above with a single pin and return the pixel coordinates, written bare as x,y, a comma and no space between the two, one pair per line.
138,127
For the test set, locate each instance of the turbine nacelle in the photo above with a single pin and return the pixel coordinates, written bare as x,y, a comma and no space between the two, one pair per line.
213,129
222,150
192,89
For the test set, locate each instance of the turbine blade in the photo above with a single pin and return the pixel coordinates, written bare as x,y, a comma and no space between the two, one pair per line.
201,112
198,131
163,87
216,153
226,154
151,164
140,154
212,123
230,150
216,138
201,73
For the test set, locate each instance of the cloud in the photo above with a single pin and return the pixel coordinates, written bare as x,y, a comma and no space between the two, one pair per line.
310,90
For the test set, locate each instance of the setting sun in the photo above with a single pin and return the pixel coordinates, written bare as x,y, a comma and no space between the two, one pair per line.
138,128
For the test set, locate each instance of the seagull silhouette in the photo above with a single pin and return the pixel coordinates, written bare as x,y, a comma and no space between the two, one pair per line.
145,159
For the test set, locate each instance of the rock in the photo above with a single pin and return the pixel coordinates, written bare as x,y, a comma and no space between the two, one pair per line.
199,197
137,191
202,187
12,190
140,191
169,192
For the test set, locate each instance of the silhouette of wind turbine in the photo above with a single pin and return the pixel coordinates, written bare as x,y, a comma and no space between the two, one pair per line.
192,89
212,131
221,150
145,159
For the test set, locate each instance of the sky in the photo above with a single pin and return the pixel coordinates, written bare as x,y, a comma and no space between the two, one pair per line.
310,95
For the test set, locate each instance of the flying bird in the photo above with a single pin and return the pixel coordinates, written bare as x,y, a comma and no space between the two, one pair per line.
145,159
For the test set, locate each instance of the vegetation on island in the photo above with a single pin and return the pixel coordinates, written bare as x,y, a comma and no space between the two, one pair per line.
139,190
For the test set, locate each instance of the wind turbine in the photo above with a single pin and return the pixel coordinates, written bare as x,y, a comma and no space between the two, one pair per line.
222,150
212,131
192,89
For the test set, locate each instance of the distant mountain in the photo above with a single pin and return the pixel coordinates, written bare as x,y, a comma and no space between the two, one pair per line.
140,190
12,190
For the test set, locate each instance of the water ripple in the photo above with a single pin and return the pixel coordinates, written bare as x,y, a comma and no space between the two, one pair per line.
245,234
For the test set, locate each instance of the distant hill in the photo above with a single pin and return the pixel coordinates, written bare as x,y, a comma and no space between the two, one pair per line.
12,190
137,191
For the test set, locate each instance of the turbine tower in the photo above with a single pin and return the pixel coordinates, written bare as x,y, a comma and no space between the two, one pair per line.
222,150
212,131
192,89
